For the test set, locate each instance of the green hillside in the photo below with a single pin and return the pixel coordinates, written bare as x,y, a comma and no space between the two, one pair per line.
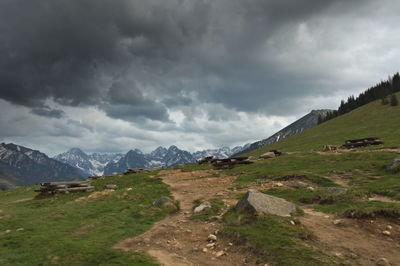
371,120
73,229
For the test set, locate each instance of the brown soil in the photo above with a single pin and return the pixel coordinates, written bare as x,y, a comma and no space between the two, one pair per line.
180,240
356,241
20,200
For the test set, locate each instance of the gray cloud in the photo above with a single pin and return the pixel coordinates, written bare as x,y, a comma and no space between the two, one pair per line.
180,68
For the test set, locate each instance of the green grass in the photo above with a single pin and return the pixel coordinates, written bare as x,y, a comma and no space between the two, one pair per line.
60,231
208,214
371,120
273,239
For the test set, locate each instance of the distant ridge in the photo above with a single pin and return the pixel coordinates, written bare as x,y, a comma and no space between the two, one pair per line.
308,121
21,166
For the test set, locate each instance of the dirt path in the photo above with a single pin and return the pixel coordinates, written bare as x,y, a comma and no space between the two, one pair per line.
357,241
180,240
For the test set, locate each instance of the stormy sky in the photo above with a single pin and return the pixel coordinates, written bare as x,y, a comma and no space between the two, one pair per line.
111,75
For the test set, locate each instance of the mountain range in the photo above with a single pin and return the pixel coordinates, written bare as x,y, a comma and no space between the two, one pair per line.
98,164
308,121
23,166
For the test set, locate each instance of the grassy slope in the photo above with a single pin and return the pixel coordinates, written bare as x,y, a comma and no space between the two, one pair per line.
60,231
371,120
365,172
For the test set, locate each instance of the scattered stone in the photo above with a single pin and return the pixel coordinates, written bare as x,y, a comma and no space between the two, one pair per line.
230,244
382,262
210,245
337,222
300,184
326,216
292,222
311,188
339,255
212,237
389,227
129,188
386,233
220,253
205,250
161,201
279,184
20,229
256,201
202,207
111,186
267,155
216,232
219,194
336,190
188,231
7,231
394,164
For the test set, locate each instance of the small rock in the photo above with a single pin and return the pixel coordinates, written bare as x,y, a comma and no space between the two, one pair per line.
326,216
202,207
382,262
339,255
230,244
219,194
336,190
311,188
129,189
212,237
111,186
337,222
386,233
161,201
279,184
292,222
188,231
216,232
210,245
205,250
301,184
20,229
389,227
220,253
394,164
7,231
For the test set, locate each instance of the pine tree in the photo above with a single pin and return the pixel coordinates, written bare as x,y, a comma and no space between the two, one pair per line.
393,100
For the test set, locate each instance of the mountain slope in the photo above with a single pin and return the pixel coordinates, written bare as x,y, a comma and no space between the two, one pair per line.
308,121
22,166
92,164
373,119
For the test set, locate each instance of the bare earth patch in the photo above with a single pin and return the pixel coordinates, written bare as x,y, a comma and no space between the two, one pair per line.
180,240
357,241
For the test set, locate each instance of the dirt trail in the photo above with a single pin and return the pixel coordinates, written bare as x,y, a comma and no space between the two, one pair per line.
180,240
359,241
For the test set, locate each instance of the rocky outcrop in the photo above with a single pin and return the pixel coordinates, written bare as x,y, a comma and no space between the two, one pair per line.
255,201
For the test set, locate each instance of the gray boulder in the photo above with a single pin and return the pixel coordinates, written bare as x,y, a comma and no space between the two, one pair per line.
202,207
161,201
336,190
255,201
393,165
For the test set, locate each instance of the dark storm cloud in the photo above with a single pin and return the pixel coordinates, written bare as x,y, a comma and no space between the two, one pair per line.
48,112
82,52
